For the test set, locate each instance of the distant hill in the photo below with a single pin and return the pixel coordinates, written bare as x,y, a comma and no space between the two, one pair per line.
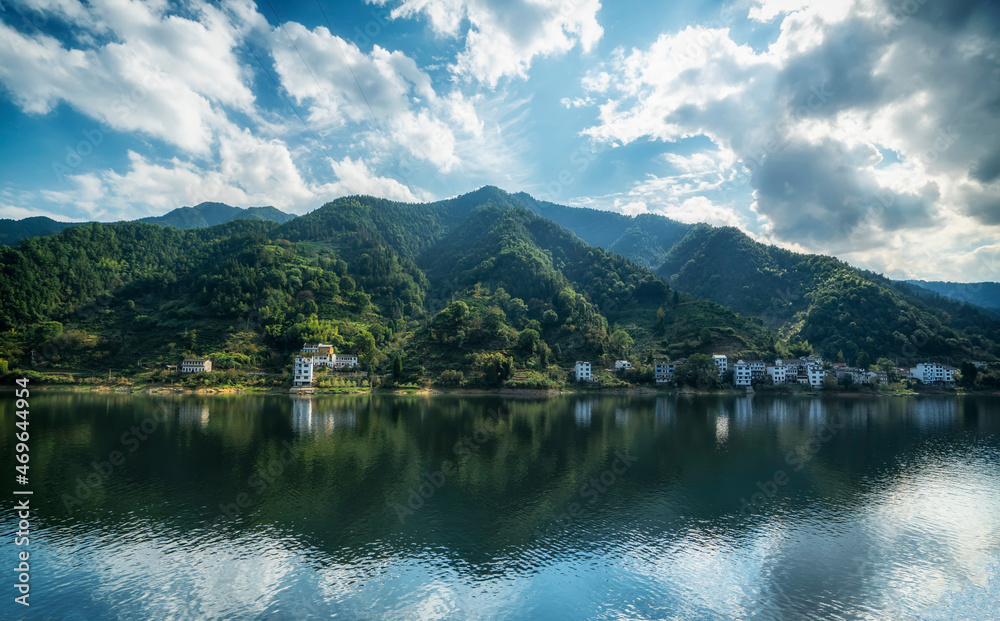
645,239
210,214
197,217
13,231
985,294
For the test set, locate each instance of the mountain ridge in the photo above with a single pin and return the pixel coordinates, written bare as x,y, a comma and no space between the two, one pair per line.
199,216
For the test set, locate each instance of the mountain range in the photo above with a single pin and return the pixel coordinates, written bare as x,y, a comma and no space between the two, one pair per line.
452,284
199,216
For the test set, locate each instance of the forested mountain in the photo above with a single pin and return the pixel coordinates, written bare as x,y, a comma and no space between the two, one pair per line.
13,231
210,214
199,216
645,239
462,284
985,294
475,282
841,310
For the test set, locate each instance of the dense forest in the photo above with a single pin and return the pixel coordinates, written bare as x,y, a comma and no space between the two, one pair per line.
487,287
477,286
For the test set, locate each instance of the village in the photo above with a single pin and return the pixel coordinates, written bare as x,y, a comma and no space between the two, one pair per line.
808,370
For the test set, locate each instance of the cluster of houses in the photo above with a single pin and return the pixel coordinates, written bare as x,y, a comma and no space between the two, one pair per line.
318,354
809,370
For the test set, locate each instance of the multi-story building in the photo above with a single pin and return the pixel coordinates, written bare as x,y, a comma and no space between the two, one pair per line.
302,371
323,354
880,377
622,365
317,348
815,374
660,373
778,373
742,373
196,365
344,361
932,373
757,369
583,373
722,362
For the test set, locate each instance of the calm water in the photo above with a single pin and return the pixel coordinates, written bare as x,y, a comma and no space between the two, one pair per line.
453,508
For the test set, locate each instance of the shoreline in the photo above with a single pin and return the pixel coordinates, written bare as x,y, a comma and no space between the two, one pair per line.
428,391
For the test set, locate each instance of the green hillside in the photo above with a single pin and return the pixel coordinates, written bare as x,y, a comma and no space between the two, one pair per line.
464,285
210,214
841,310
199,216
13,231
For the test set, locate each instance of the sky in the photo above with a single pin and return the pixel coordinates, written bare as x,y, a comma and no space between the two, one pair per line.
865,129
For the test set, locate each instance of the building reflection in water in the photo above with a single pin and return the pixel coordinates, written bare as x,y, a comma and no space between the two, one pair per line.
622,416
664,412
190,414
312,418
584,412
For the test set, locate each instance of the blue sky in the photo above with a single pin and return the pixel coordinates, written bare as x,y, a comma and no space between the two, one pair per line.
867,129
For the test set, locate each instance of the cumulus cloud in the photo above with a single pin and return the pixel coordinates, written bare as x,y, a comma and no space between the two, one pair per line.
354,177
806,121
504,37
383,91
160,75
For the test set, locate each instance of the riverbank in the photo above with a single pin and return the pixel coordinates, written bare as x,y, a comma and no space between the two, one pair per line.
426,391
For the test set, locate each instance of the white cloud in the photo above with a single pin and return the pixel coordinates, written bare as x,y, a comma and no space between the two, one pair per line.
384,92
354,177
808,117
161,75
504,37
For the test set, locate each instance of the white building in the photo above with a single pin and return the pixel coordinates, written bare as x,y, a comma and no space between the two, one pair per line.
816,375
323,355
196,365
757,369
661,374
302,371
932,372
879,377
741,373
778,373
722,362
622,364
344,361
583,372
316,348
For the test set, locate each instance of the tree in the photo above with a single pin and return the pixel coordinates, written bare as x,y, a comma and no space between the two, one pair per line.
528,340
863,361
457,312
800,349
550,317
705,335
700,372
968,372
397,368
493,319
621,343
364,343
497,369
3,366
